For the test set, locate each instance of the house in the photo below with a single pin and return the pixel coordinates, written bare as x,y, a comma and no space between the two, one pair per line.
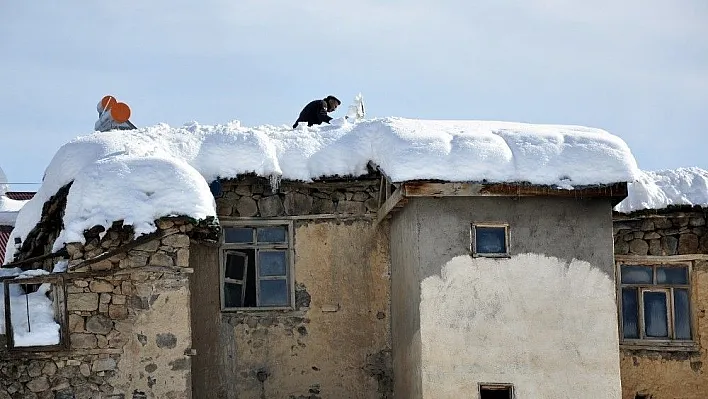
385,258
10,204
661,255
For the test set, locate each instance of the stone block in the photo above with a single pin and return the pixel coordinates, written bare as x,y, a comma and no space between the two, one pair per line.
271,206
99,324
182,258
669,245
100,286
176,241
662,223
83,341
161,259
102,341
638,247
360,196
297,204
85,301
104,298
224,208
350,207
76,323
150,246
688,244
117,312
50,368
243,189
85,370
697,222
247,206
621,247
654,247
704,245
647,225
118,299
165,224
35,369
651,235
81,283
322,206
105,264
372,204
138,259
103,364
38,384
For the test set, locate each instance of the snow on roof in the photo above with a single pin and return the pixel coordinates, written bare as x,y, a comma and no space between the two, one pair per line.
660,189
3,183
141,175
9,209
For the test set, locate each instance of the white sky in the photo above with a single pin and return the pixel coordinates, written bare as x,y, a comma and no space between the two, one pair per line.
638,69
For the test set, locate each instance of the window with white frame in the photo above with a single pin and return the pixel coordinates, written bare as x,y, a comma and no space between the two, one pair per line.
490,240
654,303
256,267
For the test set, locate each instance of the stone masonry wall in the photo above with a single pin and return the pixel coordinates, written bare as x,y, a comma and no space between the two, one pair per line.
128,323
677,233
663,373
255,197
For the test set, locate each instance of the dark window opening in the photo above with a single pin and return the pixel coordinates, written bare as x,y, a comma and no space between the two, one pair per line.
642,396
490,240
256,270
495,392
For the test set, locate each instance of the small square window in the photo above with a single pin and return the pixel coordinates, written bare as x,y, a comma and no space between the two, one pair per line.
490,240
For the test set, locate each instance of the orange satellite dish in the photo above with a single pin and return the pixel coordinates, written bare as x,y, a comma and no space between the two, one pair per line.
120,112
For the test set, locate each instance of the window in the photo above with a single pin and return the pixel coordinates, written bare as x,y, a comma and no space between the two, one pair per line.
490,240
654,303
496,391
256,267
34,313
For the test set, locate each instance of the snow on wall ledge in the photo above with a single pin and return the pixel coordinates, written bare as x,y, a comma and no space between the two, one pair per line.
660,189
140,175
547,326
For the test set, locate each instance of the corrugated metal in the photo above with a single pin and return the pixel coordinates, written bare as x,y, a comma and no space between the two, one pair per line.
4,237
20,195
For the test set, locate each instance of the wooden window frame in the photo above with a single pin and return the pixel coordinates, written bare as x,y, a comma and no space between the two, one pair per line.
649,343
495,386
288,248
473,240
61,314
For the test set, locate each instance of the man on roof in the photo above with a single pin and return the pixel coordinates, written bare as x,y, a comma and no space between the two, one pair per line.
316,111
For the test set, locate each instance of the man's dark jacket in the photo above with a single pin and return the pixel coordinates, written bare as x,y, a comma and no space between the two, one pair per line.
314,113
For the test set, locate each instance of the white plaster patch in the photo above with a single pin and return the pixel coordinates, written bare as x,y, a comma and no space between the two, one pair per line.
547,326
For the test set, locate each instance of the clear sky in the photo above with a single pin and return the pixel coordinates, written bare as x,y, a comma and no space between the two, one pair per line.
638,69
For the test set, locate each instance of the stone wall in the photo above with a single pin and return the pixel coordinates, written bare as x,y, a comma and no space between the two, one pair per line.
682,235
678,233
256,197
128,324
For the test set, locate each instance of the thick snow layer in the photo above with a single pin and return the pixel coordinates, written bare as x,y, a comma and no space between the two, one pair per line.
3,183
143,174
658,190
40,328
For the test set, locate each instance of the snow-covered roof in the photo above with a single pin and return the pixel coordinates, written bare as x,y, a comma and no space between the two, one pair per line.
144,174
661,189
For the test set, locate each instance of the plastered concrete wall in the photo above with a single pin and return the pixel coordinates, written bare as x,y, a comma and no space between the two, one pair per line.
335,344
405,315
540,340
540,323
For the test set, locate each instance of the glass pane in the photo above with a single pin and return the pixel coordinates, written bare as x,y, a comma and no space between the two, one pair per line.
272,234
655,322
682,322
272,263
630,313
490,240
242,235
235,265
672,275
636,274
232,295
274,292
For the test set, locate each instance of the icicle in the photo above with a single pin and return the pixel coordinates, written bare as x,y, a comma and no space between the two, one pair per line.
274,182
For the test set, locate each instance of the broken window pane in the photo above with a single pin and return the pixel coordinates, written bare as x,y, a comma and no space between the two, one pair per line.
274,292
672,275
655,320
630,313
490,240
242,235
272,235
235,265
636,275
272,263
682,317
232,295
